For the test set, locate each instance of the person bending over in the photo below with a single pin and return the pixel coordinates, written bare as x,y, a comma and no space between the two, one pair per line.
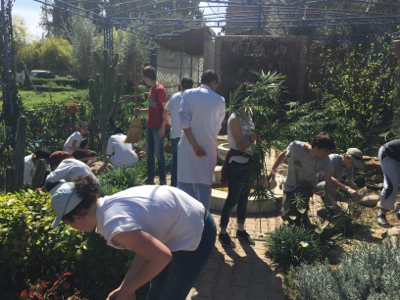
304,162
65,168
389,157
171,233
120,153
343,172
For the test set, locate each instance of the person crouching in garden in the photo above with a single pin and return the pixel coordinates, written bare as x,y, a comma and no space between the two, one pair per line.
31,161
170,232
79,146
343,172
237,169
389,158
65,167
120,153
304,162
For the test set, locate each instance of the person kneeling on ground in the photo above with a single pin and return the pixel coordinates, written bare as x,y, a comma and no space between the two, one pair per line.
65,168
79,146
170,232
30,164
120,153
305,161
343,171
389,158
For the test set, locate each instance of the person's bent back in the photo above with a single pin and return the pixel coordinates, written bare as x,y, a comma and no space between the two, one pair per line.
120,153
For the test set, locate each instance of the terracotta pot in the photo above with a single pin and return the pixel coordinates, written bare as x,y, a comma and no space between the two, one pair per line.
70,110
396,48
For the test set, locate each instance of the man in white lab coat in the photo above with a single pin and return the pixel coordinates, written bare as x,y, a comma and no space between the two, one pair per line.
201,115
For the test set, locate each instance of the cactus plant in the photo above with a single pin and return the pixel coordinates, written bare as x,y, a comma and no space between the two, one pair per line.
10,182
104,94
38,176
19,153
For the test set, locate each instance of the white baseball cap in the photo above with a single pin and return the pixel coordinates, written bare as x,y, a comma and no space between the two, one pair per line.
63,201
357,157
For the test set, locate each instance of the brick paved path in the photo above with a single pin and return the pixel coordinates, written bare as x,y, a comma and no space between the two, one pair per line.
241,273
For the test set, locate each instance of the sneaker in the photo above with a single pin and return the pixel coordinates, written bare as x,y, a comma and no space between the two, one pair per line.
226,240
381,220
244,237
398,215
148,181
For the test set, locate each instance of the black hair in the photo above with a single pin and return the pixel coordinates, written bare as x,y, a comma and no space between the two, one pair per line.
323,140
150,72
88,189
209,76
41,154
118,130
186,83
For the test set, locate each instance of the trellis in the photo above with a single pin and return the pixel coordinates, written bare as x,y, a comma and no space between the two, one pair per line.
253,15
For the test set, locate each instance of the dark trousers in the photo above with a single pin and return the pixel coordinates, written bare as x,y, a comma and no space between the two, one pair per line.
238,192
80,154
296,200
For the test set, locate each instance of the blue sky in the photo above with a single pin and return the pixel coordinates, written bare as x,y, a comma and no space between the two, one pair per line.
29,11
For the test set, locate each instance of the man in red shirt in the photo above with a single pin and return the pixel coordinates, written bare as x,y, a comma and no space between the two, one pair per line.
155,129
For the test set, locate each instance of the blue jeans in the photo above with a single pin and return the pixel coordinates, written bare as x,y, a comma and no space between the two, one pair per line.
178,277
199,191
174,168
155,145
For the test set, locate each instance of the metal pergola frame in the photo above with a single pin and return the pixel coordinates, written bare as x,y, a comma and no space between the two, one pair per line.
252,15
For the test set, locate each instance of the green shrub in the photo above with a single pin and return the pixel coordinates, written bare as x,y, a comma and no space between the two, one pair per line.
291,246
31,250
120,179
368,272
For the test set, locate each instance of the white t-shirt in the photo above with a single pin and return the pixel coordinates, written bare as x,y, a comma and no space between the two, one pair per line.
121,153
29,169
75,136
303,167
68,169
246,128
167,213
173,105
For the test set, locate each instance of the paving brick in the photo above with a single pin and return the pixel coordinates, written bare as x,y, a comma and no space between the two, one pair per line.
212,264
222,295
242,268
205,289
257,289
239,293
259,265
209,275
259,277
241,280
223,284
225,271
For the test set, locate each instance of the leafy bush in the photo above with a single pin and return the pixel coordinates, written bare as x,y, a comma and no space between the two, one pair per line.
30,249
291,246
120,179
369,272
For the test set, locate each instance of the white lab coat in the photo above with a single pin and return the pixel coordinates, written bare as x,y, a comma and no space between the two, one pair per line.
203,111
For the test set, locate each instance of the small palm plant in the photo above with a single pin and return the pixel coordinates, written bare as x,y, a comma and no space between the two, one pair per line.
262,100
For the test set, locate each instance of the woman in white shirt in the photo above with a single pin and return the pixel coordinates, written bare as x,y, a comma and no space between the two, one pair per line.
170,232
236,168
